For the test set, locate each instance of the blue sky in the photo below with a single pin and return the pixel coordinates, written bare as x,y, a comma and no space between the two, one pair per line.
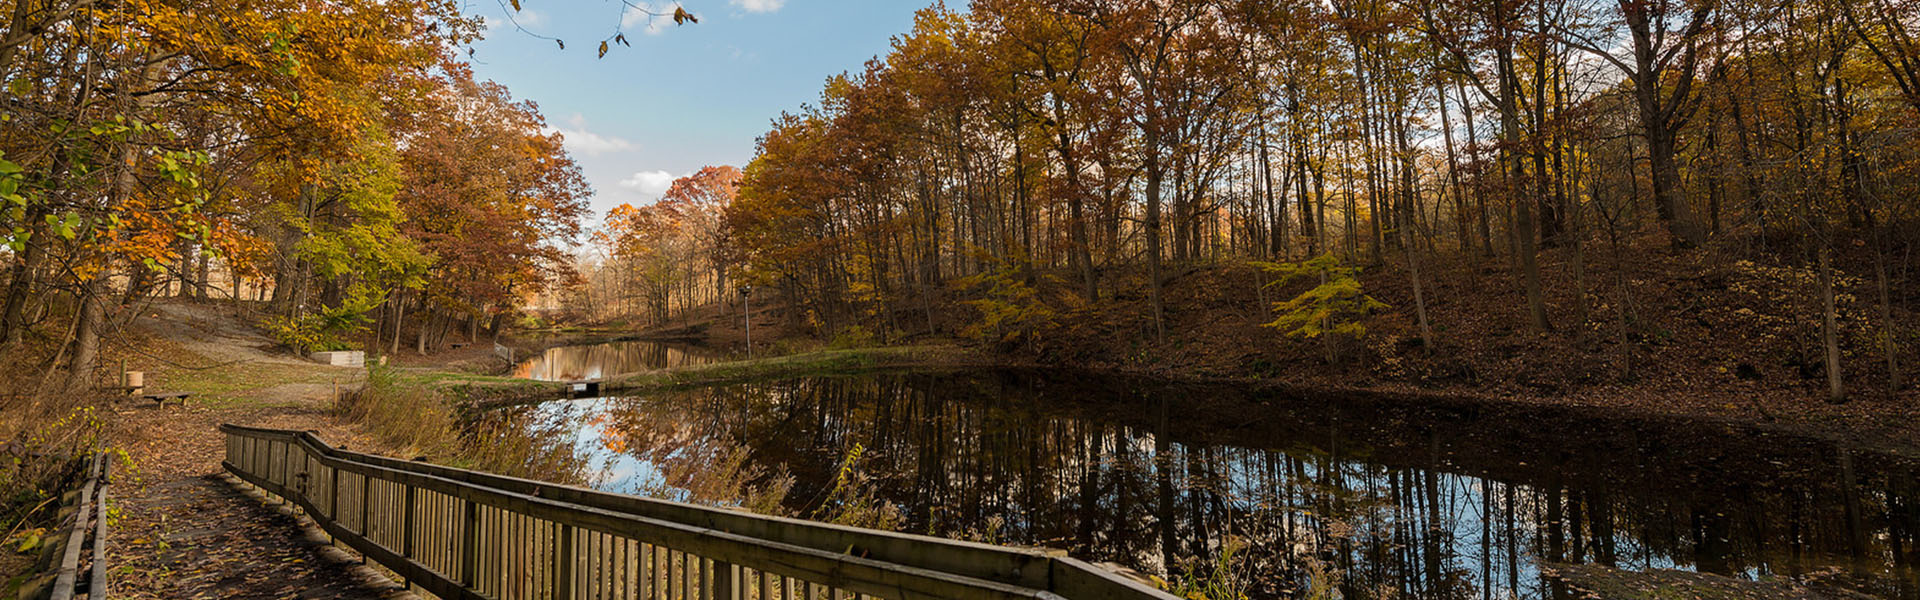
681,97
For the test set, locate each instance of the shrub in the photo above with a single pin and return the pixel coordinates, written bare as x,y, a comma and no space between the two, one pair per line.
1332,307
1011,310
855,500
852,336
329,328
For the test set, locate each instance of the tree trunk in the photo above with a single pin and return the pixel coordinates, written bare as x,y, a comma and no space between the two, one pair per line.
200,275
1153,235
1479,199
1523,229
1830,331
86,334
399,321
24,270
420,341
1889,330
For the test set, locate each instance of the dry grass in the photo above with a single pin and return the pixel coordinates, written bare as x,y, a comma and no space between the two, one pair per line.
413,415
401,415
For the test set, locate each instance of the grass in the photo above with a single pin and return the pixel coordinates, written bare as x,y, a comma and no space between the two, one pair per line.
407,410
401,414
233,384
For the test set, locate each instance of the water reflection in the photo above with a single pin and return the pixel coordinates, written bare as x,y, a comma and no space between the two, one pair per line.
1398,499
576,363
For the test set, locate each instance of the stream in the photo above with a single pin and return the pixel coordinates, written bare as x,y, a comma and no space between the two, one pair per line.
1383,497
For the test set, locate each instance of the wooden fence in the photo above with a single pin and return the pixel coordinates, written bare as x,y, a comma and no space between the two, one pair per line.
465,534
89,523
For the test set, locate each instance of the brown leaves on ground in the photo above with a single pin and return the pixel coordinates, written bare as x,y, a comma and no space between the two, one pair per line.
1605,583
180,529
1709,336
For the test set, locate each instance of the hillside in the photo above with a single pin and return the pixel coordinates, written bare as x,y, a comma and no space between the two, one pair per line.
1706,335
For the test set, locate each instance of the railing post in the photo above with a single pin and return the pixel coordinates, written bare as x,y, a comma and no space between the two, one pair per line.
563,562
469,542
366,508
406,531
333,497
726,581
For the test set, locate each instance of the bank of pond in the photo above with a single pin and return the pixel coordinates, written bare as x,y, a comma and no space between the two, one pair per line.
1379,497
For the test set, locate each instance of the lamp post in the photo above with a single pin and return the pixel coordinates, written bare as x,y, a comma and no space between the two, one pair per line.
746,310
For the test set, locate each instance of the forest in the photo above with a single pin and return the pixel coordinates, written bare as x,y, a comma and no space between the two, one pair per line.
1067,178
1240,299
335,165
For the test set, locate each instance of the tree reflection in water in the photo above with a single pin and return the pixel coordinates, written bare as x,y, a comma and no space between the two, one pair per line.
594,361
1399,499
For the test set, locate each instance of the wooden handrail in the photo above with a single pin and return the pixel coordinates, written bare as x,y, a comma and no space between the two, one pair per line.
89,517
465,534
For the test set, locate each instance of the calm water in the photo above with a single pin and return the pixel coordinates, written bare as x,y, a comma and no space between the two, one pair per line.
575,363
1401,500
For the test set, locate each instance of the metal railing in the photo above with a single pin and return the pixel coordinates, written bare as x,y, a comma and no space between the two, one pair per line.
465,534
89,524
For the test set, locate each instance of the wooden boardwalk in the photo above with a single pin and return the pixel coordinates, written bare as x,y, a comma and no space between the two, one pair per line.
472,535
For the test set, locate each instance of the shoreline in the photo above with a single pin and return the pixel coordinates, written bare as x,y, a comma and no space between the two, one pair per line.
1862,429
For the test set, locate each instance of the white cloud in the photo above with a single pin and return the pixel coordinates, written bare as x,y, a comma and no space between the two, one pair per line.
578,139
758,6
526,18
650,184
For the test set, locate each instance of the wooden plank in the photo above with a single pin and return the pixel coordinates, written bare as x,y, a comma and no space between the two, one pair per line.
97,587
66,578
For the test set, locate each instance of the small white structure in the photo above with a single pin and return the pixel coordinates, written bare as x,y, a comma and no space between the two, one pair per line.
341,358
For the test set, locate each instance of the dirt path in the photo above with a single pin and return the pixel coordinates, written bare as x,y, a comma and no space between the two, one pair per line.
185,530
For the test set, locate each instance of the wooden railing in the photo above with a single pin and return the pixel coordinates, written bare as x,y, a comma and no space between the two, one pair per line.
89,523
465,534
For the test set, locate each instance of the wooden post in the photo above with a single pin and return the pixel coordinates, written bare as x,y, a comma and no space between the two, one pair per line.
469,543
563,562
366,511
726,581
406,532
333,496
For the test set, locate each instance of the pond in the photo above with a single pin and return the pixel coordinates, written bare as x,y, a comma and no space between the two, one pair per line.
1391,498
593,361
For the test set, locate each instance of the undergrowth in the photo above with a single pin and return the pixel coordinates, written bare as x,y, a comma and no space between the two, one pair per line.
412,415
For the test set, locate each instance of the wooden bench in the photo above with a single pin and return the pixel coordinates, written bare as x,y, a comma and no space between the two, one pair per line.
179,398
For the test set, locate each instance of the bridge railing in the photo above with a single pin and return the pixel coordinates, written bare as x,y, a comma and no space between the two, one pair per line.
89,525
457,533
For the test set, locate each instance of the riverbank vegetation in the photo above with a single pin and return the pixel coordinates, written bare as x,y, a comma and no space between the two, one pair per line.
1670,198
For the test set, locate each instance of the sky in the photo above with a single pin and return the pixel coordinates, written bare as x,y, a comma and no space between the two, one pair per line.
682,97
